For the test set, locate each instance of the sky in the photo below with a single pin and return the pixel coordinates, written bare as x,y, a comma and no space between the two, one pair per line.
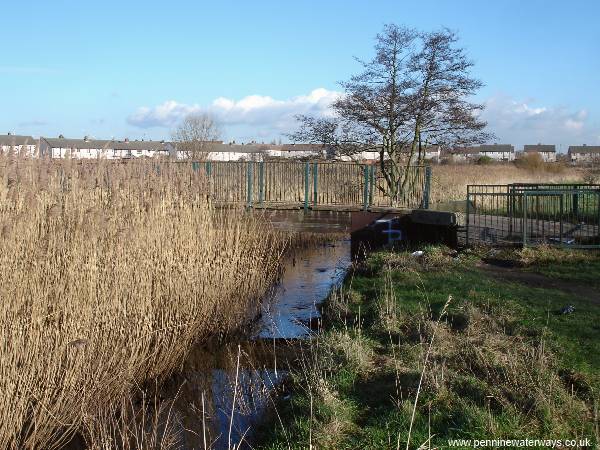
136,68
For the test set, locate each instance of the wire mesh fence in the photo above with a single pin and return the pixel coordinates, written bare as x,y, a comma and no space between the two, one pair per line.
533,214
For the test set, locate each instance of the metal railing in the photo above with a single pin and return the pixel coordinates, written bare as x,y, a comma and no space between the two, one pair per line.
532,214
310,184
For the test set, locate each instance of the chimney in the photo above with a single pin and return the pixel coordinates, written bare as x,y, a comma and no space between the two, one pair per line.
126,139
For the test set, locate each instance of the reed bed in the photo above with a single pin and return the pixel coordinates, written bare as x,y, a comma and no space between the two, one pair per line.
109,274
449,182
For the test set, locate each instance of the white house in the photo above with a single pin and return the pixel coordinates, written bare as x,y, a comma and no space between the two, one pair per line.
18,145
218,151
498,152
547,152
462,154
85,148
140,149
581,154
432,153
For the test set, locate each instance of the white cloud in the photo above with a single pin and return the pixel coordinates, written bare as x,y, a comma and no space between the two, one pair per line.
268,116
520,122
263,117
165,115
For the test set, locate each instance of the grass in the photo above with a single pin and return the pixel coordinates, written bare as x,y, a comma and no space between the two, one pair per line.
504,363
109,274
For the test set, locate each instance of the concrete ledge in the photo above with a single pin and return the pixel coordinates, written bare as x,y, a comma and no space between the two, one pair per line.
428,217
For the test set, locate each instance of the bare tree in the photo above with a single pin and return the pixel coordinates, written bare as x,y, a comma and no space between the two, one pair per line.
196,134
412,94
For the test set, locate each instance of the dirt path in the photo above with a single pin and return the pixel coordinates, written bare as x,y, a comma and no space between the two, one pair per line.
538,280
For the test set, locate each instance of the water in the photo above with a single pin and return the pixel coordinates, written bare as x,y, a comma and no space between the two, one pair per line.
308,279
204,390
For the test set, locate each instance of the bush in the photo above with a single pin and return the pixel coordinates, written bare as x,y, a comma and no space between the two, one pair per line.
484,160
532,162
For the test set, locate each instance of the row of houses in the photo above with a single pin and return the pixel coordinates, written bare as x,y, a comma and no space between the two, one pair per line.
86,148
504,152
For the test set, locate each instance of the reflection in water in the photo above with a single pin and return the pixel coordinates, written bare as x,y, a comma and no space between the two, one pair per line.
307,280
244,378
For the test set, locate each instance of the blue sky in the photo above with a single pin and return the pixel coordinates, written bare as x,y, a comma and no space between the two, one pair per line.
134,68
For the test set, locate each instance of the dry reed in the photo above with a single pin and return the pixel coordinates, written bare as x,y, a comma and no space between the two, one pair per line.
109,273
449,182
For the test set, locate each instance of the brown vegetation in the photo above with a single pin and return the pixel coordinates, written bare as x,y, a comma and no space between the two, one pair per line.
449,182
108,275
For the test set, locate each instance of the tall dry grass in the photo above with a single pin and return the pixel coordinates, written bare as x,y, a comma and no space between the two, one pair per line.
449,182
108,275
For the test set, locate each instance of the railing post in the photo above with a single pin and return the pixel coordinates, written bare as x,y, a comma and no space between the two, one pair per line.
261,183
468,212
427,187
575,204
524,219
366,188
249,165
371,183
315,183
306,185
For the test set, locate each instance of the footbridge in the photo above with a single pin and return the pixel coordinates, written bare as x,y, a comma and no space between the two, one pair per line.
325,186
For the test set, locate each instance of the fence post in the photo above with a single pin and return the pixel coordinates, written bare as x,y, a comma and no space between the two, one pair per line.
249,174
524,219
306,187
427,188
575,204
261,183
371,183
195,166
366,187
315,183
468,212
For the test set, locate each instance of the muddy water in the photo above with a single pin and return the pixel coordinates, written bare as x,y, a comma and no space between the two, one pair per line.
206,392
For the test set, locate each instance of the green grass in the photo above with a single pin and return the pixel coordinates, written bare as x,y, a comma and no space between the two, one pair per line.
362,376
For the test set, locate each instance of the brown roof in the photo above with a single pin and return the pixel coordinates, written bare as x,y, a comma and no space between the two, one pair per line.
584,149
539,148
496,148
464,150
78,143
11,139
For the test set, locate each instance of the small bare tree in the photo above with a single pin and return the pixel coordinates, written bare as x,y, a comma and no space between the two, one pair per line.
196,135
412,94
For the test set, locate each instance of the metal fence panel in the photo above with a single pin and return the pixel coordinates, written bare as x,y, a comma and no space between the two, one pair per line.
532,214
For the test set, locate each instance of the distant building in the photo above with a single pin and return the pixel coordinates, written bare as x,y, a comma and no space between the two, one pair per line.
498,152
85,148
218,151
140,149
580,154
432,153
18,145
462,154
547,152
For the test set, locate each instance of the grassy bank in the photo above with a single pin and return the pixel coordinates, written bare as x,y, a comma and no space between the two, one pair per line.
419,350
108,276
